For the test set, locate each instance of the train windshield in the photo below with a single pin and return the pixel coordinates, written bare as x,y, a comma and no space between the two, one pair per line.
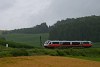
46,42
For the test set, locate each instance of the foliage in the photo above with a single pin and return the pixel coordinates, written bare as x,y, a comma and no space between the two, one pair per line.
5,54
85,53
43,28
19,52
84,28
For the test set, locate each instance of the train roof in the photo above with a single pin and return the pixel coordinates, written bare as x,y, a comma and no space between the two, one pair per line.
65,41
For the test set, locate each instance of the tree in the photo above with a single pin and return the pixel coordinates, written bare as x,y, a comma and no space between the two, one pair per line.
83,28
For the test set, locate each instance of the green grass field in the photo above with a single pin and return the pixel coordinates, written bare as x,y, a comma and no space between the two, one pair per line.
34,39
30,39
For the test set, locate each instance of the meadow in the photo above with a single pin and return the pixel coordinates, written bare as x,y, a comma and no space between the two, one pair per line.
30,39
92,53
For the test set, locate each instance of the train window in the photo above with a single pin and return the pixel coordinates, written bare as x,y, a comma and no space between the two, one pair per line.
55,42
66,43
75,43
85,42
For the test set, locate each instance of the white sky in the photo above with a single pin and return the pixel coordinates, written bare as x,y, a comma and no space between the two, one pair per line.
16,14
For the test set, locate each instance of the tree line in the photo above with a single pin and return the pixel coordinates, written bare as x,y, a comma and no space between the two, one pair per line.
83,28
42,28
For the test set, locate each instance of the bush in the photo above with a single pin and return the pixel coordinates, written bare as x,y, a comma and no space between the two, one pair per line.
52,52
60,53
89,52
19,52
5,54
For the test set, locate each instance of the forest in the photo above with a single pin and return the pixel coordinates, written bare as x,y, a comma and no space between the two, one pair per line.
42,28
83,28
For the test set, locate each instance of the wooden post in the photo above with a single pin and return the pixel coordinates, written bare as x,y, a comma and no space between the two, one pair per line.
40,42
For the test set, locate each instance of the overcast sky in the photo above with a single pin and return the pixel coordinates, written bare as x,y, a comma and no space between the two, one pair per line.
16,14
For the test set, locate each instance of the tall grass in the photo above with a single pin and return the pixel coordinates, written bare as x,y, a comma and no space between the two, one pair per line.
87,53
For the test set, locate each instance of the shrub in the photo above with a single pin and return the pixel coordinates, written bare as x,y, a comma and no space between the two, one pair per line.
5,54
61,53
19,52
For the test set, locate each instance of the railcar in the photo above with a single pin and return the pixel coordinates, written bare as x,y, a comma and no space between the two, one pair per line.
57,43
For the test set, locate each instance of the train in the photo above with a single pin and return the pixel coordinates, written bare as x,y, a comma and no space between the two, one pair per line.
65,44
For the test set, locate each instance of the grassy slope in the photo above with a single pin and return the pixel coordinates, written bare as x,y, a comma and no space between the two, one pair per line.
31,39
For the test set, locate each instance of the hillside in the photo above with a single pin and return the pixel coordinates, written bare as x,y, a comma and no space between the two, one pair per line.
83,28
30,39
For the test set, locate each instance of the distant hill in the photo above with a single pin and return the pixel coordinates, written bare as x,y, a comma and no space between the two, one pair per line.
42,28
83,28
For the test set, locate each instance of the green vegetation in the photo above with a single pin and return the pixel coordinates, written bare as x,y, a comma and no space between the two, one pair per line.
19,52
96,45
4,42
14,44
30,39
42,28
85,53
10,52
83,28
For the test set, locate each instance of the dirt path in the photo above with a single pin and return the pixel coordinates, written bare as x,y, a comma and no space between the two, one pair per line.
46,61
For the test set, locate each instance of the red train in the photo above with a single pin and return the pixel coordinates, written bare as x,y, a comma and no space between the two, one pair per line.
56,43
